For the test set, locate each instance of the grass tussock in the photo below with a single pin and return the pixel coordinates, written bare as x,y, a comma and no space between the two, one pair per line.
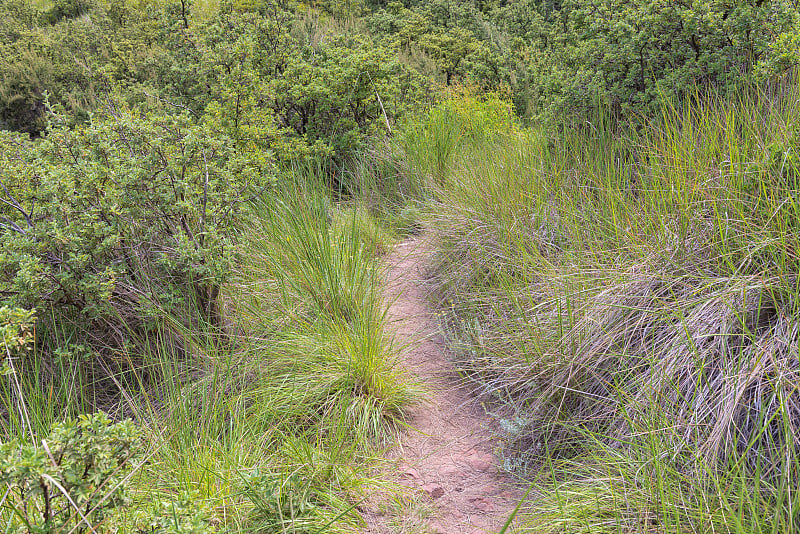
622,292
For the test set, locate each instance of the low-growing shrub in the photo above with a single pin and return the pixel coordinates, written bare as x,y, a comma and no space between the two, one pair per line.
73,479
105,228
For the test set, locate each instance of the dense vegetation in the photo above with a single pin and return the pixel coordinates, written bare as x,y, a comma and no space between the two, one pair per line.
194,198
634,314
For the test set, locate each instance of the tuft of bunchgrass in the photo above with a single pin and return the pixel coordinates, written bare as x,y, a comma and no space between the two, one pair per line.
605,285
373,237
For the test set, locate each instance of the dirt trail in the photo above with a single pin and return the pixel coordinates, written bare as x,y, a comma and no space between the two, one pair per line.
447,453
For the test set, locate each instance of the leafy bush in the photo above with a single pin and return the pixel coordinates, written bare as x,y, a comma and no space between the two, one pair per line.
16,329
563,59
631,55
78,479
74,52
182,515
310,92
256,72
454,36
75,478
106,227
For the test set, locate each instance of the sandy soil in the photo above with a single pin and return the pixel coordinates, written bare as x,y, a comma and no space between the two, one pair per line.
447,454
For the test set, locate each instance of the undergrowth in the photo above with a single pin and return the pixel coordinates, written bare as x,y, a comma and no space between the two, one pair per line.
272,425
629,298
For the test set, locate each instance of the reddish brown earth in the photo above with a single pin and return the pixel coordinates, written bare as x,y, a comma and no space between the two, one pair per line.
446,454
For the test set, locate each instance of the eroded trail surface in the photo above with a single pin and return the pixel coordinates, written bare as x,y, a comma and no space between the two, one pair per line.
446,455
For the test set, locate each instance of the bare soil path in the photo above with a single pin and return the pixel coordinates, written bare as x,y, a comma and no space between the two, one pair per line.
447,453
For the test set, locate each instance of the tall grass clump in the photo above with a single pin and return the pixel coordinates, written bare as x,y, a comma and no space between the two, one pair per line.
293,415
320,273
386,188
630,297
462,121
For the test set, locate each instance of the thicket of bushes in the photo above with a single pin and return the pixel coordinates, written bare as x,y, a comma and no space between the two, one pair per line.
277,75
569,57
288,72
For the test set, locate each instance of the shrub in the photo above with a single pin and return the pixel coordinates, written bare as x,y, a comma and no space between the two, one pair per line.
632,55
184,514
74,479
106,227
16,327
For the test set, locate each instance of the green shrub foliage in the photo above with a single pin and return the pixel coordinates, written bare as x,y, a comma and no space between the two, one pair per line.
109,225
77,479
286,74
16,327
630,53
268,77
574,55
73,479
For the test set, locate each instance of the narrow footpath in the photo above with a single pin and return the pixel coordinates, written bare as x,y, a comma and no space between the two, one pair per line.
447,453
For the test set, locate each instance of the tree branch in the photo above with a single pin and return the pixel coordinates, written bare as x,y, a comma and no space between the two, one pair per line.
11,225
205,201
16,205
380,102
173,104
